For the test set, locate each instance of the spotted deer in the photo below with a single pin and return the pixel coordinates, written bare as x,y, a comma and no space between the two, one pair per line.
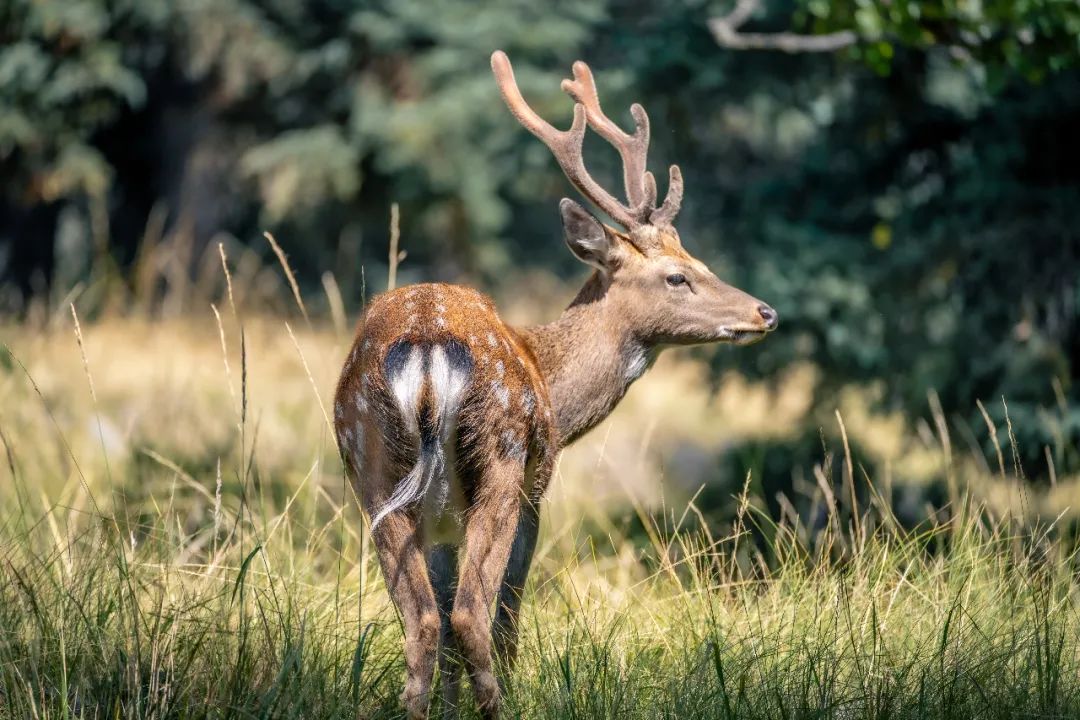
450,420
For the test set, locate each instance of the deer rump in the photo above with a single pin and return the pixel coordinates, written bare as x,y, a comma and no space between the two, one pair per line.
427,383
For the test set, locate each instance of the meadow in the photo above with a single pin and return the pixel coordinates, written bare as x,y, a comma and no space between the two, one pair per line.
177,540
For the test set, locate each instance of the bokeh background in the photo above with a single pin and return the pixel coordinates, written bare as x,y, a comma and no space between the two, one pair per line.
909,201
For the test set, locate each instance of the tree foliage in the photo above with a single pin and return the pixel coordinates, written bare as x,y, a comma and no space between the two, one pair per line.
1002,38
908,202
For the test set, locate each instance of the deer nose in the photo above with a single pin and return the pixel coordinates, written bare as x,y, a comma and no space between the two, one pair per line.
769,316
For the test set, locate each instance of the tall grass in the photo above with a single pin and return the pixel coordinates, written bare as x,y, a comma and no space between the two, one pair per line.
177,540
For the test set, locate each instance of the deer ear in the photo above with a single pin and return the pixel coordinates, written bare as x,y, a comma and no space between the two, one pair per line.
586,236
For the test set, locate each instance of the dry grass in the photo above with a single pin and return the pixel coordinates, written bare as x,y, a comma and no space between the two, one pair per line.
180,542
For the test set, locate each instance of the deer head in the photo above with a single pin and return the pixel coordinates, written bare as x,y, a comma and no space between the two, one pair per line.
667,296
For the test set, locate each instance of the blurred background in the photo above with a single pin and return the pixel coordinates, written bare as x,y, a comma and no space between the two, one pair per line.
901,180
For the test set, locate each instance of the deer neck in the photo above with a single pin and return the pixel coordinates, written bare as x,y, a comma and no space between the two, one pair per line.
589,357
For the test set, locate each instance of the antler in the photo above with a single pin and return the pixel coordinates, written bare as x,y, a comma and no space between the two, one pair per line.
633,149
566,145
665,214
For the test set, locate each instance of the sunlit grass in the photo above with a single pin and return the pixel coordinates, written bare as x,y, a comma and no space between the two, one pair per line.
181,543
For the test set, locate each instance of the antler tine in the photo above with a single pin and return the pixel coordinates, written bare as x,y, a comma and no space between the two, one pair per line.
650,190
665,214
633,149
565,145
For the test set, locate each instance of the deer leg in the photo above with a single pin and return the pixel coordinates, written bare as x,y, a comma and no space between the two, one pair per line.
513,584
442,567
538,475
489,533
401,555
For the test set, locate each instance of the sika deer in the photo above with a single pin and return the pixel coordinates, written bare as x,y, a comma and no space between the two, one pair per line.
450,420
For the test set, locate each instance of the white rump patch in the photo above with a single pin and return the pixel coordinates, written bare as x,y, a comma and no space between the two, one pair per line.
426,481
448,384
406,385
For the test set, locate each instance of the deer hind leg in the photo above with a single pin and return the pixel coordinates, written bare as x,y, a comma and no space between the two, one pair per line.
401,555
513,584
442,567
521,553
489,534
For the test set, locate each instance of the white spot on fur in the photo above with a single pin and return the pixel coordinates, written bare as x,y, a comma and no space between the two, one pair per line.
439,307
440,321
500,368
358,447
502,394
361,403
491,339
637,364
527,401
515,449
406,385
339,410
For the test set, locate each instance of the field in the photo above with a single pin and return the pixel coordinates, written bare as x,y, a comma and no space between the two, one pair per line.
177,540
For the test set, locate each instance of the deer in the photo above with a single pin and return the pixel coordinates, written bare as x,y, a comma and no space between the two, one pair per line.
450,421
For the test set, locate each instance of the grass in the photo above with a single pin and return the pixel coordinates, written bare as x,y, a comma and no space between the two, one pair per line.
177,540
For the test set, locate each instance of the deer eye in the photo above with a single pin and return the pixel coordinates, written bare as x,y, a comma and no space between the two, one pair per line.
676,279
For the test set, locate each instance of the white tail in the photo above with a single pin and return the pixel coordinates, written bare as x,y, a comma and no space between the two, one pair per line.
427,389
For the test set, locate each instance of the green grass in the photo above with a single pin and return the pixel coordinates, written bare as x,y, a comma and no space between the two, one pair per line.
180,542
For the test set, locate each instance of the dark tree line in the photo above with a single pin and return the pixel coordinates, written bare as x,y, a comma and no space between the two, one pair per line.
907,200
